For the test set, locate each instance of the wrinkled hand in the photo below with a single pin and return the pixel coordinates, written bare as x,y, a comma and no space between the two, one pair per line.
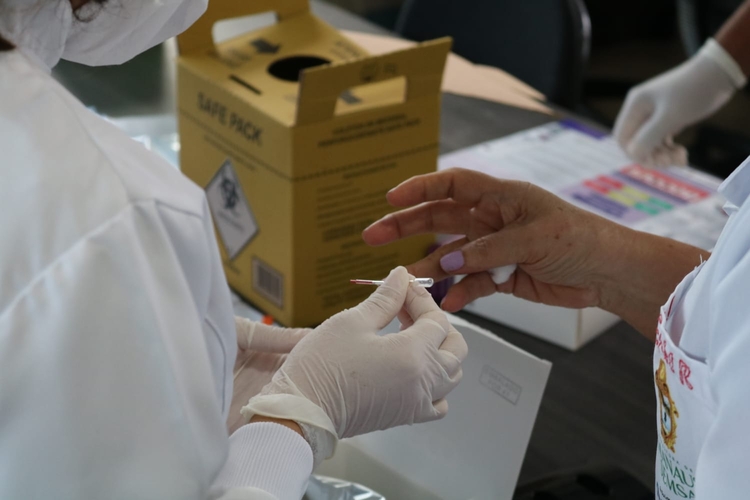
262,351
344,379
657,110
560,249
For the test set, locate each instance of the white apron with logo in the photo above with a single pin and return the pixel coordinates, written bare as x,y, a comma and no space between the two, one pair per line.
684,407
702,368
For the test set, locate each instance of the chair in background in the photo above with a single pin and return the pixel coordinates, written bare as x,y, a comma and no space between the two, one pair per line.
700,19
545,43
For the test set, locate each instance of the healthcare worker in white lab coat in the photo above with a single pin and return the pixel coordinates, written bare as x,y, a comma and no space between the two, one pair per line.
117,338
693,304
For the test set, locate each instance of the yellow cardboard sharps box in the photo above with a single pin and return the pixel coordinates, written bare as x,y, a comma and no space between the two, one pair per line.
297,134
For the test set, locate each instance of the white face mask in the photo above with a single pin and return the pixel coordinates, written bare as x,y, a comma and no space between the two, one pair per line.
121,29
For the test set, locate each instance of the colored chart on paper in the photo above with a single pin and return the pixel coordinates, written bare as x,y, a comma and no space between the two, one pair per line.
635,193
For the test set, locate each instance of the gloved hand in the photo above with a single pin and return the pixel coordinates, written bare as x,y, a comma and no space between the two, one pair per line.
262,351
344,379
655,111
256,336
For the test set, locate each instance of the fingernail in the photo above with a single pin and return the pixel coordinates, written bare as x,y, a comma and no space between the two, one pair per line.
452,261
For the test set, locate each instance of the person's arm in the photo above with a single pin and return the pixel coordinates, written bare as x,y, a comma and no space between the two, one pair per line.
103,362
268,459
289,424
110,392
566,256
657,110
734,36
644,270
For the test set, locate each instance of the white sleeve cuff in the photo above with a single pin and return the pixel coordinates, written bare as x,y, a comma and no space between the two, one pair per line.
269,457
714,51
315,423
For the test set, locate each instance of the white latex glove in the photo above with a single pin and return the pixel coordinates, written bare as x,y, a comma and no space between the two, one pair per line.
344,379
262,351
256,336
655,111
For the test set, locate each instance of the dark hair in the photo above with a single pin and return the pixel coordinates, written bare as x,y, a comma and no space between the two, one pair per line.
5,45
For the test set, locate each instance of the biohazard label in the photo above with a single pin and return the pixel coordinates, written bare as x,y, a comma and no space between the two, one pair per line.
232,214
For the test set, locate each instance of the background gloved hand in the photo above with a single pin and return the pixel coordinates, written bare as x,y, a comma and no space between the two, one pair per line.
655,111
344,379
262,351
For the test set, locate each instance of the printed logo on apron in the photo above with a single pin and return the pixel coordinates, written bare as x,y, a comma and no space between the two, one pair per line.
674,477
668,412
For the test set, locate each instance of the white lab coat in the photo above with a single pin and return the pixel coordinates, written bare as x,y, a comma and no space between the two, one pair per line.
117,339
702,368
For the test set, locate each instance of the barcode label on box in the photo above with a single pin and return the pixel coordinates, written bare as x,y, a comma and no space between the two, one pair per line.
268,282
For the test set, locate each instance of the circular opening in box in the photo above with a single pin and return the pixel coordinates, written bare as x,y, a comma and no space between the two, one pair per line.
289,68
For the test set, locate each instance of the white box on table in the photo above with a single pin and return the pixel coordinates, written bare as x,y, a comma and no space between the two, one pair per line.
568,328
